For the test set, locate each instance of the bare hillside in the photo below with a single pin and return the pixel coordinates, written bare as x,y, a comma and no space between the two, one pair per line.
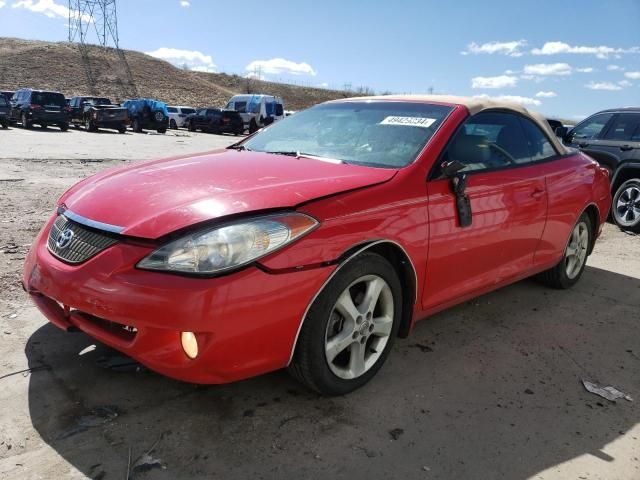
59,66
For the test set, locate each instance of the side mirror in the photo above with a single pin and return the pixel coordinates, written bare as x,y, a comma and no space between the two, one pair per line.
561,132
451,168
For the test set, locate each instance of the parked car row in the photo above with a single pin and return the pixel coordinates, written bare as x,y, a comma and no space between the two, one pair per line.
30,107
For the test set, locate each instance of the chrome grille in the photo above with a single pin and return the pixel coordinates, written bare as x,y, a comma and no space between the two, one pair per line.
82,243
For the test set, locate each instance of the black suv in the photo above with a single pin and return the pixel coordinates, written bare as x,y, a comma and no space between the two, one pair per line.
98,112
4,112
612,138
39,107
214,120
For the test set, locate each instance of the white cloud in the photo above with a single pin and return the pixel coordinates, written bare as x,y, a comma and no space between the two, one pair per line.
585,70
323,85
512,98
2,3
625,83
512,49
185,4
603,86
543,94
556,48
255,75
501,81
47,7
278,66
192,59
633,75
614,68
548,69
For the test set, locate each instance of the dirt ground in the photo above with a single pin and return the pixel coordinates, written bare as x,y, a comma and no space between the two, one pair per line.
487,390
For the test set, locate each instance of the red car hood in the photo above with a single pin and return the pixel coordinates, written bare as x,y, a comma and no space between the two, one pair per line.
152,199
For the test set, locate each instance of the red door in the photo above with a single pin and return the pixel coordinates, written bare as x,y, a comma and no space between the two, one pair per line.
508,216
509,208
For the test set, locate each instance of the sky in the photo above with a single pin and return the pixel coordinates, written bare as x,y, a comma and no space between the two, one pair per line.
564,58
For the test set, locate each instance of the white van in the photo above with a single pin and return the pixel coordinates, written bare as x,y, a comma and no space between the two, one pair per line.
257,110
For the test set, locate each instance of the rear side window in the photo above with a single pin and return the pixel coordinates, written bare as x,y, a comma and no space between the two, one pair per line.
592,127
172,110
540,147
490,140
188,111
625,127
48,98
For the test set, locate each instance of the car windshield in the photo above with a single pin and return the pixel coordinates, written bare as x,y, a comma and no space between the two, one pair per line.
379,134
48,98
98,101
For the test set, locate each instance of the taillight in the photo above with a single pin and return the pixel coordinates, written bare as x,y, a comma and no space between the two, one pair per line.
34,106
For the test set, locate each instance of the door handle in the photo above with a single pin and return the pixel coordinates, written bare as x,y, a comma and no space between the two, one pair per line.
626,148
537,193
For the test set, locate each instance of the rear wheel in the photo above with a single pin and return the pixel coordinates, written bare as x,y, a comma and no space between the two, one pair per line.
136,126
626,205
350,328
122,129
192,128
63,127
43,126
567,273
162,130
253,126
173,125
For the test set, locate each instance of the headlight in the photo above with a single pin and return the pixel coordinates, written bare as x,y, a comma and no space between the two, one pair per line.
230,245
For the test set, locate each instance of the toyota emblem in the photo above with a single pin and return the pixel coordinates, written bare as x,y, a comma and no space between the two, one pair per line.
64,239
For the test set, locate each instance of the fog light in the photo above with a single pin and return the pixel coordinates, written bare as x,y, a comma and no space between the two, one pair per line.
189,344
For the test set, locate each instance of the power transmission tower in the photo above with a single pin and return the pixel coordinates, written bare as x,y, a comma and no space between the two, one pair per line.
87,17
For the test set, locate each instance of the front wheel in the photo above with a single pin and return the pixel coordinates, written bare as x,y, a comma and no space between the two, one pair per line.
162,130
63,127
135,126
173,125
350,328
567,273
122,129
626,206
25,123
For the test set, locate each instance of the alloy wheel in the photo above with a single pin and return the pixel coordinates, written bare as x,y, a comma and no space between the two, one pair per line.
359,327
576,252
627,208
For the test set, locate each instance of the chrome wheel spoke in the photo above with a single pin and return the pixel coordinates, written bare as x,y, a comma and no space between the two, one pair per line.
357,365
571,251
374,287
576,251
338,344
346,307
382,326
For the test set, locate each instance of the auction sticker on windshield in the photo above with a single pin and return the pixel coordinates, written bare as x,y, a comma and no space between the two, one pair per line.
409,121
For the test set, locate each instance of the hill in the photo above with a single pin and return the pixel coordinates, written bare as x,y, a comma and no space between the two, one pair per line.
60,66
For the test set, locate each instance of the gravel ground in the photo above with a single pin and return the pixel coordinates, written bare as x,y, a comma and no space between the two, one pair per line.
487,390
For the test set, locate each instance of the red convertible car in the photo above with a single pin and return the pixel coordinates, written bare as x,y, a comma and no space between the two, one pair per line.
316,242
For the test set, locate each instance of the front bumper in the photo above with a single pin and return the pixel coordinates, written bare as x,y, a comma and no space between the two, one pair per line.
245,322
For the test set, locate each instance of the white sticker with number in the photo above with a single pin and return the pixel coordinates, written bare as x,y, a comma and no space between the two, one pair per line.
409,121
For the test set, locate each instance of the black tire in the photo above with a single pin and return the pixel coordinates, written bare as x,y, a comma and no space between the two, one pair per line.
253,126
162,130
309,364
5,125
122,129
25,123
63,127
173,125
191,127
627,215
135,126
558,276
43,126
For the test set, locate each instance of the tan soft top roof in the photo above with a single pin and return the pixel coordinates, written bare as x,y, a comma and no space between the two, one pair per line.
475,105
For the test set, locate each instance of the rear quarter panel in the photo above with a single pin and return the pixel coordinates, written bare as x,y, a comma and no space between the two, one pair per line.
573,183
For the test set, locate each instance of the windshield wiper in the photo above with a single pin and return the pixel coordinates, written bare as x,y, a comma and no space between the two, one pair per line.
237,147
307,155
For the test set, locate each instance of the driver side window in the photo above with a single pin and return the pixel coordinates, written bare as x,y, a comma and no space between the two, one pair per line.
489,140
